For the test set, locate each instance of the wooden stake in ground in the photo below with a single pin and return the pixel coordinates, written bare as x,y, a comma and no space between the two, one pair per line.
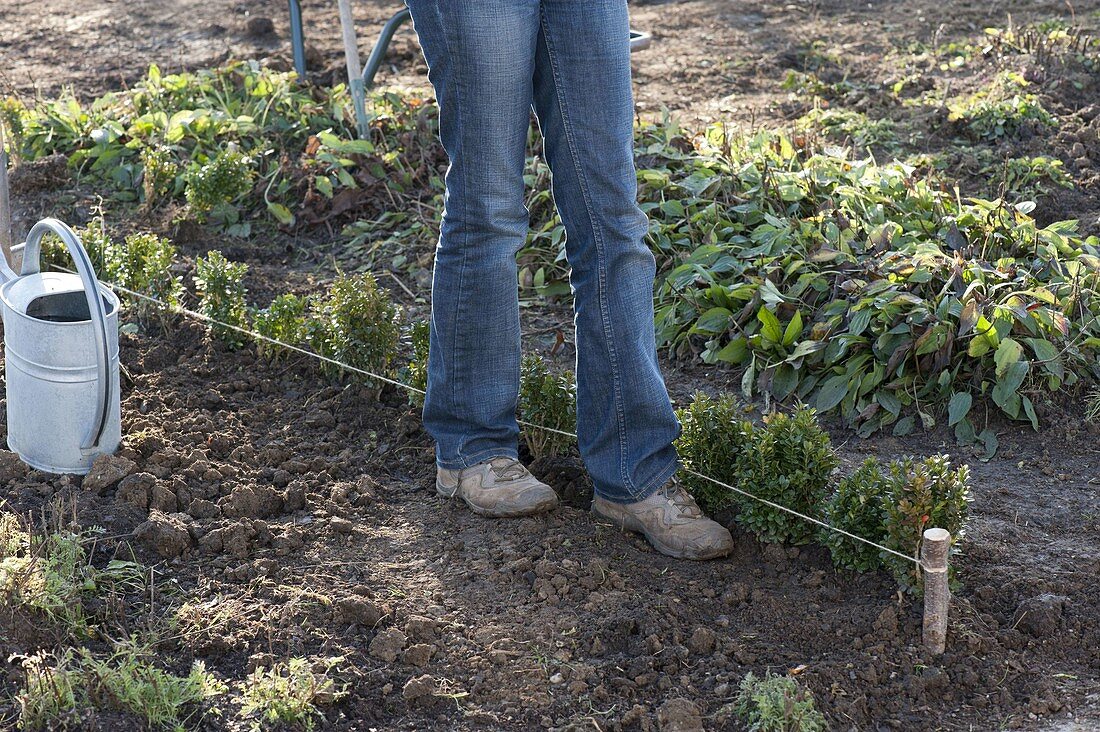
937,595
355,73
5,203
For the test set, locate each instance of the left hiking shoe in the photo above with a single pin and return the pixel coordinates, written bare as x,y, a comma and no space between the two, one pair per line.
501,487
671,521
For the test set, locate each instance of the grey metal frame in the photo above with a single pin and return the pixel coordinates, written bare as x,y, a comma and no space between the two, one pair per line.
638,40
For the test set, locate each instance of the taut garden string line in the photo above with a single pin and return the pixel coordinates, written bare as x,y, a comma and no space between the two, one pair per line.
385,379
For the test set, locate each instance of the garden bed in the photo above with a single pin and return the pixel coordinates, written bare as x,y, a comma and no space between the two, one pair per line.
327,514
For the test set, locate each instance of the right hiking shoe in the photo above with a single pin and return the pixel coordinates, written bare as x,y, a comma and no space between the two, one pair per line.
671,521
500,487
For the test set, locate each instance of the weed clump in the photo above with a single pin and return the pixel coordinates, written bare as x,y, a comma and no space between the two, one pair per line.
1003,110
128,681
356,323
547,400
1092,405
789,461
222,295
44,574
777,703
924,494
284,321
713,441
857,507
290,693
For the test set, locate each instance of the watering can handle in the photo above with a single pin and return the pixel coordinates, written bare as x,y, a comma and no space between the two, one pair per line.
31,265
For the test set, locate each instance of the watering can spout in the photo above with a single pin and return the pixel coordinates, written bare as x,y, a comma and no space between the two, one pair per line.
7,274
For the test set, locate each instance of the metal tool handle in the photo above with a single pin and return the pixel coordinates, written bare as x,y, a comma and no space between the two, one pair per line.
32,265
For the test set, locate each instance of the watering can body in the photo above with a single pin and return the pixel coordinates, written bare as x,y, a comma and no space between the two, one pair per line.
61,359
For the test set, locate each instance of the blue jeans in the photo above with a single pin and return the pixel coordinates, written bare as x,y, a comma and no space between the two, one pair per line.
490,61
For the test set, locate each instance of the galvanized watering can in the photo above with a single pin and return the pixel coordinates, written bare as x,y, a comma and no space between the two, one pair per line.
61,356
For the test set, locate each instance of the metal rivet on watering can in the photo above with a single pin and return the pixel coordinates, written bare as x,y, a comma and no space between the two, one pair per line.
61,359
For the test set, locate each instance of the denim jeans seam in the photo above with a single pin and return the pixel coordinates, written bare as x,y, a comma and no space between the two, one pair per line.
470,461
457,314
600,255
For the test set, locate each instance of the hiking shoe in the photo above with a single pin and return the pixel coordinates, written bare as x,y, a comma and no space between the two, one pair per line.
500,487
671,521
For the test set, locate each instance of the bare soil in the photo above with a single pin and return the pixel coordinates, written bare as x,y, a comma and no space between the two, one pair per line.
300,516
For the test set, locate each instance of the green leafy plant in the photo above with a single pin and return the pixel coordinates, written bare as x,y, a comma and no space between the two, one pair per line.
75,680
777,703
214,187
222,296
1033,176
416,373
857,507
143,263
159,172
789,461
848,125
44,573
227,177
861,288
290,693
549,400
714,440
284,321
355,322
925,494
1001,110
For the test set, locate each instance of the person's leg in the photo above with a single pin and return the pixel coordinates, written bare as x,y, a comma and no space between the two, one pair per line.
480,56
584,103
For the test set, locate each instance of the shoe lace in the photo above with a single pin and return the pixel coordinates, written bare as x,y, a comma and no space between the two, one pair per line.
678,496
507,469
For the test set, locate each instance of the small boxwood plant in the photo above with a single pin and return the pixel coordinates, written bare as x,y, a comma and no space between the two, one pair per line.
158,173
143,263
356,323
925,494
416,373
222,180
284,321
549,400
790,461
857,507
777,703
222,295
713,441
